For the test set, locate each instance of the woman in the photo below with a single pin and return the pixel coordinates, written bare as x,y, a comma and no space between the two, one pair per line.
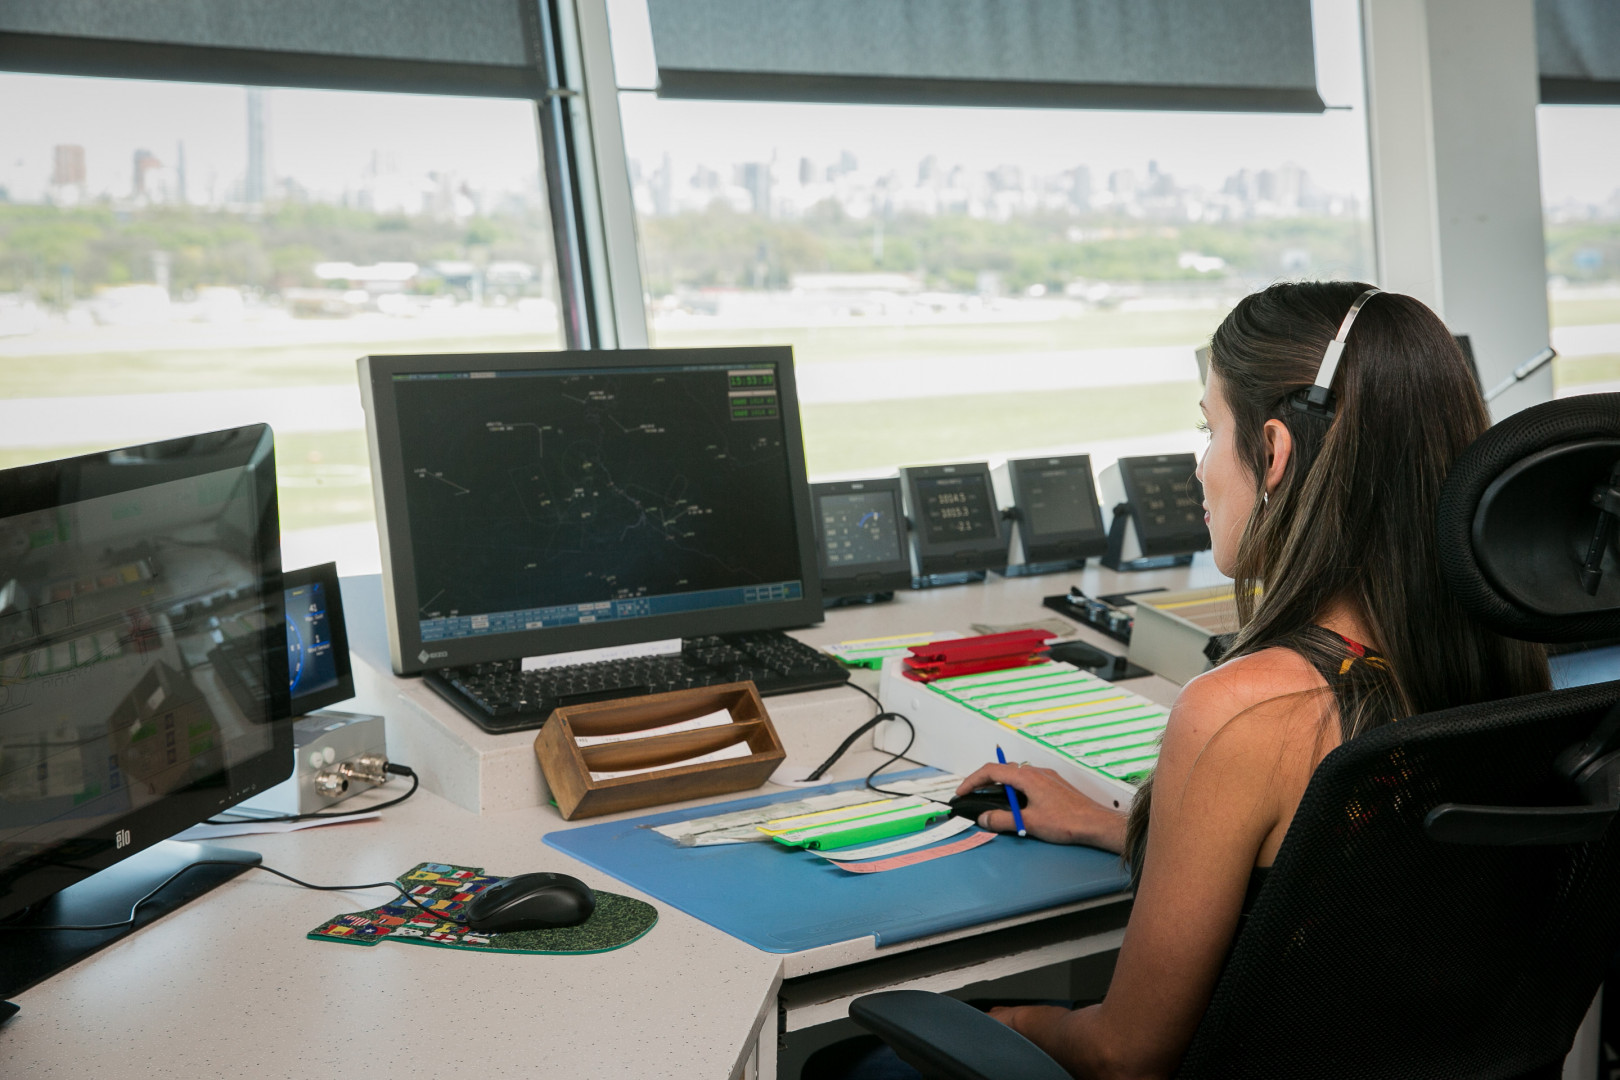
1324,517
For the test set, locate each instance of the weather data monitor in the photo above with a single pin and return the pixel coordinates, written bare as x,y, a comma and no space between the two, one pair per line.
1057,518
955,524
537,503
860,535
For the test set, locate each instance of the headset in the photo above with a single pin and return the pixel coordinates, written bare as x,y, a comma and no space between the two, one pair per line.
1317,399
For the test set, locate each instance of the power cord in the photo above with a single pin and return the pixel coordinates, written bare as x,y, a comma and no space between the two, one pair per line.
882,715
136,906
390,767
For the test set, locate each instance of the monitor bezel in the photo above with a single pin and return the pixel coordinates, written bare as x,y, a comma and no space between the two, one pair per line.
883,576
52,484
1164,543
954,555
326,576
1065,544
409,655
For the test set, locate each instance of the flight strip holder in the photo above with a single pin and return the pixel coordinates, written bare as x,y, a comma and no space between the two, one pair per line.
957,533
1157,512
1051,503
861,540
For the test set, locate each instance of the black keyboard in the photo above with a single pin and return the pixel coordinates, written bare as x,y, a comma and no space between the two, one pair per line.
499,696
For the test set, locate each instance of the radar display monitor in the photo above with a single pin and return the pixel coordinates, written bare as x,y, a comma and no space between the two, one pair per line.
1056,517
955,523
860,534
120,575
539,503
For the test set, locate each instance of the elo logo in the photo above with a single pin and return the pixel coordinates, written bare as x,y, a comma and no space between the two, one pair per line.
121,838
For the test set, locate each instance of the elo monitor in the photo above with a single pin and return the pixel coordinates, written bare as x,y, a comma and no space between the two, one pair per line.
549,502
1056,520
119,574
955,524
860,537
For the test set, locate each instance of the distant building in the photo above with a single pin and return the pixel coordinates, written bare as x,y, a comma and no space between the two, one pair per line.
146,163
257,184
68,167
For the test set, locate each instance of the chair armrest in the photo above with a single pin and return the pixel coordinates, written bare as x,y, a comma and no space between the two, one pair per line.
946,1039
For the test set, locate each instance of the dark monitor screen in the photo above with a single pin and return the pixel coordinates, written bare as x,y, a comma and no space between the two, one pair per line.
546,502
120,575
955,522
1057,506
861,536
1166,502
860,528
954,508
1060,499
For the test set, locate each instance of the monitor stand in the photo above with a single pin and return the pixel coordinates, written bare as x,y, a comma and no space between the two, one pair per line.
31,956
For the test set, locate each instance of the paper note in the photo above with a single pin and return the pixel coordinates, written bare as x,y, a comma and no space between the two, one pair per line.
871,652
943,831
1082,717
741,826
697,723
735,750
912,858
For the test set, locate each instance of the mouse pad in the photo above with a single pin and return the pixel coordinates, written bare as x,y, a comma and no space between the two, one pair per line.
616,922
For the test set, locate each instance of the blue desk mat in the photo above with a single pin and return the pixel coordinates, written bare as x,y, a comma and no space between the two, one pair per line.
783,900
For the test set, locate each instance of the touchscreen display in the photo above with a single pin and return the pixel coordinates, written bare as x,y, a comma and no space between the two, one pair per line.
1060,500
956,508
859,529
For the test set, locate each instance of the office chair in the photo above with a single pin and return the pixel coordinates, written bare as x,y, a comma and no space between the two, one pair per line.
1448,894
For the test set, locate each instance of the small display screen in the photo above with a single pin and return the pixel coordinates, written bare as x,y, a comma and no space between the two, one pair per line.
311,663
1168,499
956,508
1060,500
860,528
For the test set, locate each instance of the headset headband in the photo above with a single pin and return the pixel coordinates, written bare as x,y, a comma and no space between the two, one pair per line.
1318,398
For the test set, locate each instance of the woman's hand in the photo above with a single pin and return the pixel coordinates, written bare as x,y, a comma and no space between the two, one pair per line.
1057,813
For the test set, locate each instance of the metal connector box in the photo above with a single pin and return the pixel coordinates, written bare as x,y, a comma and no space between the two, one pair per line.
336,755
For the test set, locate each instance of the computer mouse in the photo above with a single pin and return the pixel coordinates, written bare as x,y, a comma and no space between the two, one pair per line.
540,901
977,801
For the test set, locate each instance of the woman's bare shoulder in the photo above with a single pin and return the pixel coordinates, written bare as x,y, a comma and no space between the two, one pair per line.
1272,685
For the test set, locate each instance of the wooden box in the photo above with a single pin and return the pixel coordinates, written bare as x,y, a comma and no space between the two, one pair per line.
568,766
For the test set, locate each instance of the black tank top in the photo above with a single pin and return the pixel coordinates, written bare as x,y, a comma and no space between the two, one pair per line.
1336,675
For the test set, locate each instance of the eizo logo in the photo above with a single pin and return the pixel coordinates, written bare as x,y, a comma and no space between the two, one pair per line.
121,839
424,656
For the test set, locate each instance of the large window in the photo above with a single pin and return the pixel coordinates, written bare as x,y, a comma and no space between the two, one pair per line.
178,257
971,283
1580,190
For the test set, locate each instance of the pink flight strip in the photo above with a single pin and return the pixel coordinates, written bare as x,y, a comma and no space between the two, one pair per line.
912,858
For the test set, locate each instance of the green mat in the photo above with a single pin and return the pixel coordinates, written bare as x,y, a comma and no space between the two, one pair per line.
443,887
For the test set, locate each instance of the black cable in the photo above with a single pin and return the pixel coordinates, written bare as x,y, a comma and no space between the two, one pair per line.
397,770
843,747
246,866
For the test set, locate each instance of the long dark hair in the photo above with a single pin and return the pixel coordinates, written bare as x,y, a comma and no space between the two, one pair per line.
1352,520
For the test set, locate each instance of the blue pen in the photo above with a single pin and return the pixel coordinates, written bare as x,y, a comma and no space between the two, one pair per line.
1012,797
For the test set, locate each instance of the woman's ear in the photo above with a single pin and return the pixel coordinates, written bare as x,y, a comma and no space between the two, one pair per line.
1279,448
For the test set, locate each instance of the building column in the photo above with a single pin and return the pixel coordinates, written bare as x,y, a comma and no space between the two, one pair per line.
1452,89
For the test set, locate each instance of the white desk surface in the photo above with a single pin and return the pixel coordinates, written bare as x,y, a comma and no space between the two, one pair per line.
229,985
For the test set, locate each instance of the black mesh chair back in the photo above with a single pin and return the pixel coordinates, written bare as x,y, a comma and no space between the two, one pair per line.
1375,950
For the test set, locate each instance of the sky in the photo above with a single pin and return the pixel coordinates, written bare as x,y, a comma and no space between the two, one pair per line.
327,139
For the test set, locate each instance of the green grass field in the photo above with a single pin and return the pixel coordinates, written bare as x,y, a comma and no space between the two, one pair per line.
325,476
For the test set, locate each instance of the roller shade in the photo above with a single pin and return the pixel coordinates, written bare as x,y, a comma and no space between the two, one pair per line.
1214,55
469,46
1578,43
